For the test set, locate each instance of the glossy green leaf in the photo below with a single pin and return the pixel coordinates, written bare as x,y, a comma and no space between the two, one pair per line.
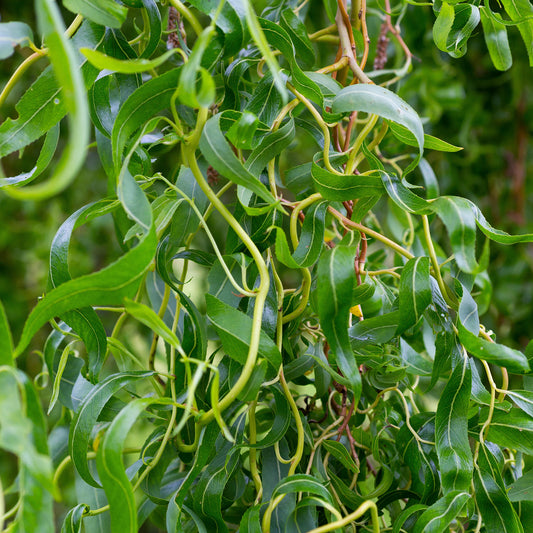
497,41
493,352
340,187
13,34
154,26
430,142
104,12
521,11
189,92
337,450
495,508
511,430
147,101
383,102
438,517
216,150
403,197
336,278
251,522
303,483
443,26
415,292
451,431
235,330
86,417
522,488
311,239
298,35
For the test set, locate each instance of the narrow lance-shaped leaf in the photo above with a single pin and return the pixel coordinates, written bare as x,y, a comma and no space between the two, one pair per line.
336,279
451,430
494,506
117,486
125,66
216,150
86,417
438,517
521,11
73,93
415,292
108,286
104,12
235,329
380,101
74,519
497,41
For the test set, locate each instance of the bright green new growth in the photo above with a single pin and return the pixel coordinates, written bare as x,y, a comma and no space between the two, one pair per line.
334,375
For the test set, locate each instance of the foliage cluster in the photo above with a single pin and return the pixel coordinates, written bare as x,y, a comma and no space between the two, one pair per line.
336,374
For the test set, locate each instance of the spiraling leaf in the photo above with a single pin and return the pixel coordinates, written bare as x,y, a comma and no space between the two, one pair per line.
73,521
451,431
521,11
336,279
86,417
430,142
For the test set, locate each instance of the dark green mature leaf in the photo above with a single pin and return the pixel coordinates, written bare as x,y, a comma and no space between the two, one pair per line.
235,330
493,352
337,450
495,508
13,34
403,197
297,32
86,417
104,12
117,486
6,340
311,239
451,431
430,142
522,488
380,101
497,41
438,517
415,292
216,150
336,279
511,430
303,483
460,222
341,187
